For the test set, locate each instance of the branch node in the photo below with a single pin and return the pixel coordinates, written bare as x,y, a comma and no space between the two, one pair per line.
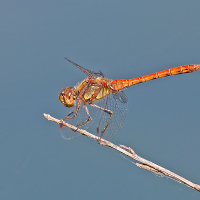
128,149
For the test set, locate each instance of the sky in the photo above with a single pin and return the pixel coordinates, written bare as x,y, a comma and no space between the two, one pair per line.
124,39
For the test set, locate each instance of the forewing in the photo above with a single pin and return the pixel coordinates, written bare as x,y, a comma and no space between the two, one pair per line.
86,71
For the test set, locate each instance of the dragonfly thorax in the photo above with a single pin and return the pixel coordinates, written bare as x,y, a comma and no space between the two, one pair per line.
68,97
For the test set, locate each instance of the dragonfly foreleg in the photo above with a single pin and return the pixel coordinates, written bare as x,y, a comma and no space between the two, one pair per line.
86,121
75,112
110,112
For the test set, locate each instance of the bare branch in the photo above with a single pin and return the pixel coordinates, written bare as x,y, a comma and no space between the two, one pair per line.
143,163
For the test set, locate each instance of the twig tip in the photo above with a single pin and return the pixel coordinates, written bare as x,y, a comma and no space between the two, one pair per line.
46,115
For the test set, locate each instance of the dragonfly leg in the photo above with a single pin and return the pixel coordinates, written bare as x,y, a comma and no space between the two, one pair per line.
110,112
86,121
75,112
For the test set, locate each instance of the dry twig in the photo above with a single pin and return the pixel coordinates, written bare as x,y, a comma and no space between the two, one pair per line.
143,163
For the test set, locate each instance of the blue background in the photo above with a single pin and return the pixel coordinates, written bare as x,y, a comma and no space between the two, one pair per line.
125,39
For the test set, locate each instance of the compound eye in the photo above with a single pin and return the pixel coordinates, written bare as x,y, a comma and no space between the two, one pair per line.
67,97
69,94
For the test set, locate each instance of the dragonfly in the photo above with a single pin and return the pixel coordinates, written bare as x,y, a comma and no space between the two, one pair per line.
99,96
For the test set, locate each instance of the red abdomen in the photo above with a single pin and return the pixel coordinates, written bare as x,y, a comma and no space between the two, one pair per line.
121,84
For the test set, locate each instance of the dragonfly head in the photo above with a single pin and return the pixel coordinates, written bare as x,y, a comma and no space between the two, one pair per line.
68,96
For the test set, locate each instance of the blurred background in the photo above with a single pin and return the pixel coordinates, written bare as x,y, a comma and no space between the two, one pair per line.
125,39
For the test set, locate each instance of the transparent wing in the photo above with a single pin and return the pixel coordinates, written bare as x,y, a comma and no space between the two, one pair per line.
118,104
121,96
86,71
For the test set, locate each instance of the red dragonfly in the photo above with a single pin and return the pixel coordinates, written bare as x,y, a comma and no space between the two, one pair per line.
98,95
